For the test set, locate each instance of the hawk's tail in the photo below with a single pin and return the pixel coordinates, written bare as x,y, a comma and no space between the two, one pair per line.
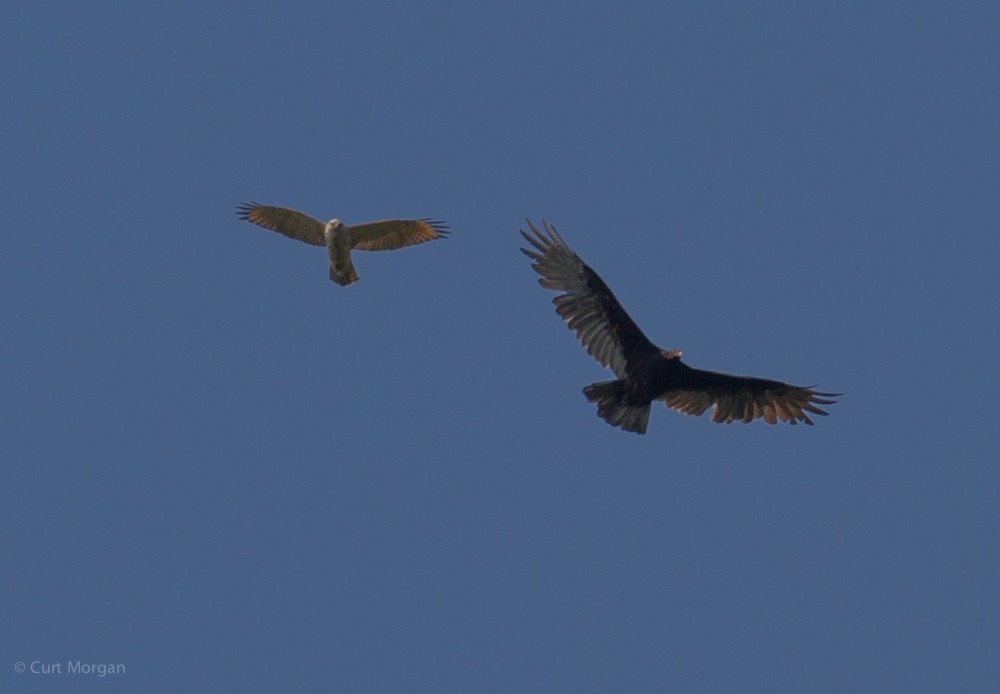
614,408
344,277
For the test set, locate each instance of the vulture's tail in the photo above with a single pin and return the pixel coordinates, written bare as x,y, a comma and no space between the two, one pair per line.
614,408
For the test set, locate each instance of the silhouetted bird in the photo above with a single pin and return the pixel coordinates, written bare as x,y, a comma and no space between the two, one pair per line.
339,238
645,372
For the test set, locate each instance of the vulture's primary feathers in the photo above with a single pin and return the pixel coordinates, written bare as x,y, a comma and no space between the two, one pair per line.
339,238
645,372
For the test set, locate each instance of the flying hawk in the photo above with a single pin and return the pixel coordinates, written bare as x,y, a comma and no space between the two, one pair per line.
339,238
646,372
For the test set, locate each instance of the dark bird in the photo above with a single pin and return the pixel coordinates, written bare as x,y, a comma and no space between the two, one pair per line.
339,238
646,372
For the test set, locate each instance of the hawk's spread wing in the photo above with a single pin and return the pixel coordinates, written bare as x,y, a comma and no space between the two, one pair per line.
390,234
291,223
587,304
743,398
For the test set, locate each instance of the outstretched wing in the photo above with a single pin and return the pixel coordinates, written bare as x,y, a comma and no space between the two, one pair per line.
390,234
587,305
291,223
743,398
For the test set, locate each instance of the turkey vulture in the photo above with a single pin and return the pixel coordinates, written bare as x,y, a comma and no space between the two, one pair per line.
339,238
646,372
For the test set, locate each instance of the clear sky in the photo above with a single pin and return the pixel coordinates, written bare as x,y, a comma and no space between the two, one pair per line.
226,473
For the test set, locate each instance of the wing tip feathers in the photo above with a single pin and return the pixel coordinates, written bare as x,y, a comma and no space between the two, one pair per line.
244,210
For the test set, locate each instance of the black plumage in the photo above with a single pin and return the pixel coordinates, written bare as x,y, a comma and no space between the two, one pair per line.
646,372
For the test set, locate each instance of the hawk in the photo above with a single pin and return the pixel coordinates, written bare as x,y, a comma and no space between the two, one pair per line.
339,238
646,372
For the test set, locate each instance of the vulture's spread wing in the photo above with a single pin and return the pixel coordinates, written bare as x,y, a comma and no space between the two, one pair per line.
587,304
743,398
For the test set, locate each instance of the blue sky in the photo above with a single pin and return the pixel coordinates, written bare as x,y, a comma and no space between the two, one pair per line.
227,473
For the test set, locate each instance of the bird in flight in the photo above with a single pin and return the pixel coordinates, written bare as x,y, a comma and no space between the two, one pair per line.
646,372
339,238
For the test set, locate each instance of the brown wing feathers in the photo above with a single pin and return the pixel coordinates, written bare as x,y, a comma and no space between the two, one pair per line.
291,223
390,234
